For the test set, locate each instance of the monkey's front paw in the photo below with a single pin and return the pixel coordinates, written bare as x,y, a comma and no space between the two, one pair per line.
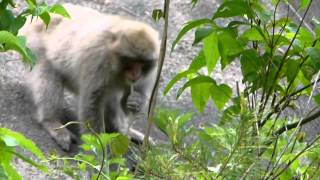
135,102
63,137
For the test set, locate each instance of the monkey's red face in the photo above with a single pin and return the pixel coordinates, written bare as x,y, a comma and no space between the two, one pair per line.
134,71
135,68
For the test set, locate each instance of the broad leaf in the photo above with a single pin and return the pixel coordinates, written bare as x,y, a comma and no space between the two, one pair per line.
233,8
253,34
314,54
220,94
303,4
183,119
197,80
198,62
211,51
317,99
22,141
200,95
187,27
177,78
201,33
45,17
13,43
59,9
250,65
229,47
119,145
292,69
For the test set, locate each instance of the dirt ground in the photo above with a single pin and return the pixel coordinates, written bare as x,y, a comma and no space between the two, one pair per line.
17,110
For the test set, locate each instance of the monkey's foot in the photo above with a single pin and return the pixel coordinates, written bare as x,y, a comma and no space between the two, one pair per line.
63,137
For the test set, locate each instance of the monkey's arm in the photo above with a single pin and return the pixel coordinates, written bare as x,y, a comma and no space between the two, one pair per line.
91,97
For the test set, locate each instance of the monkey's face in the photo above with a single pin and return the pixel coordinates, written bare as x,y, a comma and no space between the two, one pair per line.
135,69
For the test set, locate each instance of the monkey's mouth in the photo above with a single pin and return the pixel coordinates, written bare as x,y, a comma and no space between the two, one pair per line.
130,81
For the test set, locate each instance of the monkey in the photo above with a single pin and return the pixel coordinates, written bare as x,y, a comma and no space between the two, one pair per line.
107,61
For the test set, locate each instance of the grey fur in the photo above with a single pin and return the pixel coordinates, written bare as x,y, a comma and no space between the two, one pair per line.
81,54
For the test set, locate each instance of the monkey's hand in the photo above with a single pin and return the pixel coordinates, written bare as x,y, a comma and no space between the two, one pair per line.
135,102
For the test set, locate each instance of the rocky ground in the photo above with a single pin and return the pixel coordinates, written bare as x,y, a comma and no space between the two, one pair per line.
17,110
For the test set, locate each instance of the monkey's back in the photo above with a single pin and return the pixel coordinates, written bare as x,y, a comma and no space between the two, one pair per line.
67,41
68,44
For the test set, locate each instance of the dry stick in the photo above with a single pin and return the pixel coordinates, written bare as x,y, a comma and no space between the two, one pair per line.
307,148
155,88
154,93
277,106
295,124
291,126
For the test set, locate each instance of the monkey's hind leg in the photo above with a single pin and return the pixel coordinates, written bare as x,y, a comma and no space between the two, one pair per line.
47,88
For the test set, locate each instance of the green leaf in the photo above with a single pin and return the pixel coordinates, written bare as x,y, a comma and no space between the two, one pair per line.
106,138
229,114
200,95
308,69
198,62
7,167
194,2
25,143
59,9
177,78
183,119
17,24
233,8
201,33
253,34
30,161
263,14
119,145
317,99
304,4
13,43
9,141
197,80
235,24
6,19
3,174
314,54
157,14
305,37
211,51
187,27
250,64
163,118
45,17
31,3
220,94
292,69
229,47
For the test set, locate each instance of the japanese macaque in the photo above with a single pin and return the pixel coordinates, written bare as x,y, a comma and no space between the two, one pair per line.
108,62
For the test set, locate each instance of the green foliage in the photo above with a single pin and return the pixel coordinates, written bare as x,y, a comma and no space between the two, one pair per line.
9,142
97,155
157,14
10,25
256,137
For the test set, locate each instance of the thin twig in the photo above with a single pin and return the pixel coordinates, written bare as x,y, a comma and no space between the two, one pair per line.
286,53
307,148
295,124
152,101
162,54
